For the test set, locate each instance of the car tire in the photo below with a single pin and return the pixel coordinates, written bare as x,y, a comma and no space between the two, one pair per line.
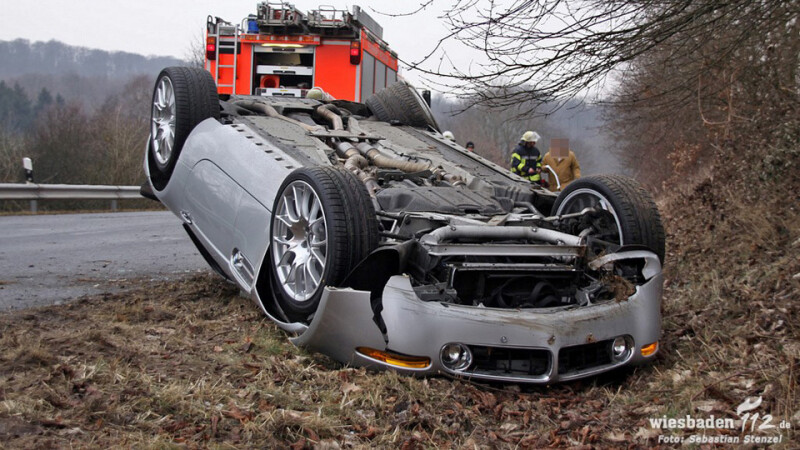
401,102
323,225
629,215
182,98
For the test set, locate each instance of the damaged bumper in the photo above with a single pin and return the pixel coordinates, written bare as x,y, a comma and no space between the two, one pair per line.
543,345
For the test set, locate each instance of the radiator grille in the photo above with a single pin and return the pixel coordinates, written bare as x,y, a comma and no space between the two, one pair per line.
503,361
582,357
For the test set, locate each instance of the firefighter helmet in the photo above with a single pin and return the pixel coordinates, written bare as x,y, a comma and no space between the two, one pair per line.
449,135
530,136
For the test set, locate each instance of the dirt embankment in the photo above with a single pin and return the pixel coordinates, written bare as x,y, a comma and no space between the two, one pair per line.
192,364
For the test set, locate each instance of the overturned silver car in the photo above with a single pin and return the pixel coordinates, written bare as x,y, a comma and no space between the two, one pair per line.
374,240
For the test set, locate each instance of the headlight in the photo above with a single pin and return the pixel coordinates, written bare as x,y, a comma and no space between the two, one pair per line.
456,356
620,349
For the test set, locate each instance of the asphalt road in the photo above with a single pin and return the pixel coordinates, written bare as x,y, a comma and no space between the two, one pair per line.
50,259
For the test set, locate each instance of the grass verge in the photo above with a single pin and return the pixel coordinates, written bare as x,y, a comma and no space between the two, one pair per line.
192,364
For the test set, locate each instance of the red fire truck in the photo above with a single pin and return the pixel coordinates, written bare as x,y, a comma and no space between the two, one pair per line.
282,52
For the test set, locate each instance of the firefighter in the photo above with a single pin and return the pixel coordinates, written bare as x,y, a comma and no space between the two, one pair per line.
526,159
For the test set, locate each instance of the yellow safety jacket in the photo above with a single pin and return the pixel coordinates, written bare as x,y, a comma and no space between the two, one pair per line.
523,159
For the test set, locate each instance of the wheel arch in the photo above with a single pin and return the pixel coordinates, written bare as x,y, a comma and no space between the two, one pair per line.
351,233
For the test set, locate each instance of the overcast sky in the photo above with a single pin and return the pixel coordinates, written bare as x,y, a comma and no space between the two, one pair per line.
166,27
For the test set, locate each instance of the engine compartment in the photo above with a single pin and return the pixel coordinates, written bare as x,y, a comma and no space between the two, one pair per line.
420,184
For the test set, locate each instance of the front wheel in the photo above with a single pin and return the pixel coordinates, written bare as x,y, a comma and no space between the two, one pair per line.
323,225
623,212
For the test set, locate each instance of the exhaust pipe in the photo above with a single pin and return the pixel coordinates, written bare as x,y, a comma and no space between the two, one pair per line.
268,110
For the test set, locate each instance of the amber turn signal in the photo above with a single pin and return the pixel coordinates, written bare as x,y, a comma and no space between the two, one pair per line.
650,349
407,362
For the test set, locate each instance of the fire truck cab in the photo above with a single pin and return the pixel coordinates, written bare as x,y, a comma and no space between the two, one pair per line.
282,52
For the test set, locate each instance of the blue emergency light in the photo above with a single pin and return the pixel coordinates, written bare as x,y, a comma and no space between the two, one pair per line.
252,25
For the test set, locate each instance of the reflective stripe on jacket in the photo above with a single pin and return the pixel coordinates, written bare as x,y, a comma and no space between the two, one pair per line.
523,159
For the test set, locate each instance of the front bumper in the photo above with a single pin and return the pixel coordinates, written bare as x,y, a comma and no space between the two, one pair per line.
530,346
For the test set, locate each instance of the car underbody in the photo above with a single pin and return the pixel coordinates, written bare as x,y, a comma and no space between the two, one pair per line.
382,244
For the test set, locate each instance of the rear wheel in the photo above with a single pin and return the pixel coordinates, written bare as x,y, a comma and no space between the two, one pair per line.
182,98
323,225
624,213
402,102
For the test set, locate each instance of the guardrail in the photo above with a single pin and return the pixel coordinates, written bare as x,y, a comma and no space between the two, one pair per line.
34,192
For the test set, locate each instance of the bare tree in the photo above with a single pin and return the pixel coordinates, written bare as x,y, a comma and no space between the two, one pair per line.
549,50
494,133
688,84
120,129
693,102
12,150
195,55
61,145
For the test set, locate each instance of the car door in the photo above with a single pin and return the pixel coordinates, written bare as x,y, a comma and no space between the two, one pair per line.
213,199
